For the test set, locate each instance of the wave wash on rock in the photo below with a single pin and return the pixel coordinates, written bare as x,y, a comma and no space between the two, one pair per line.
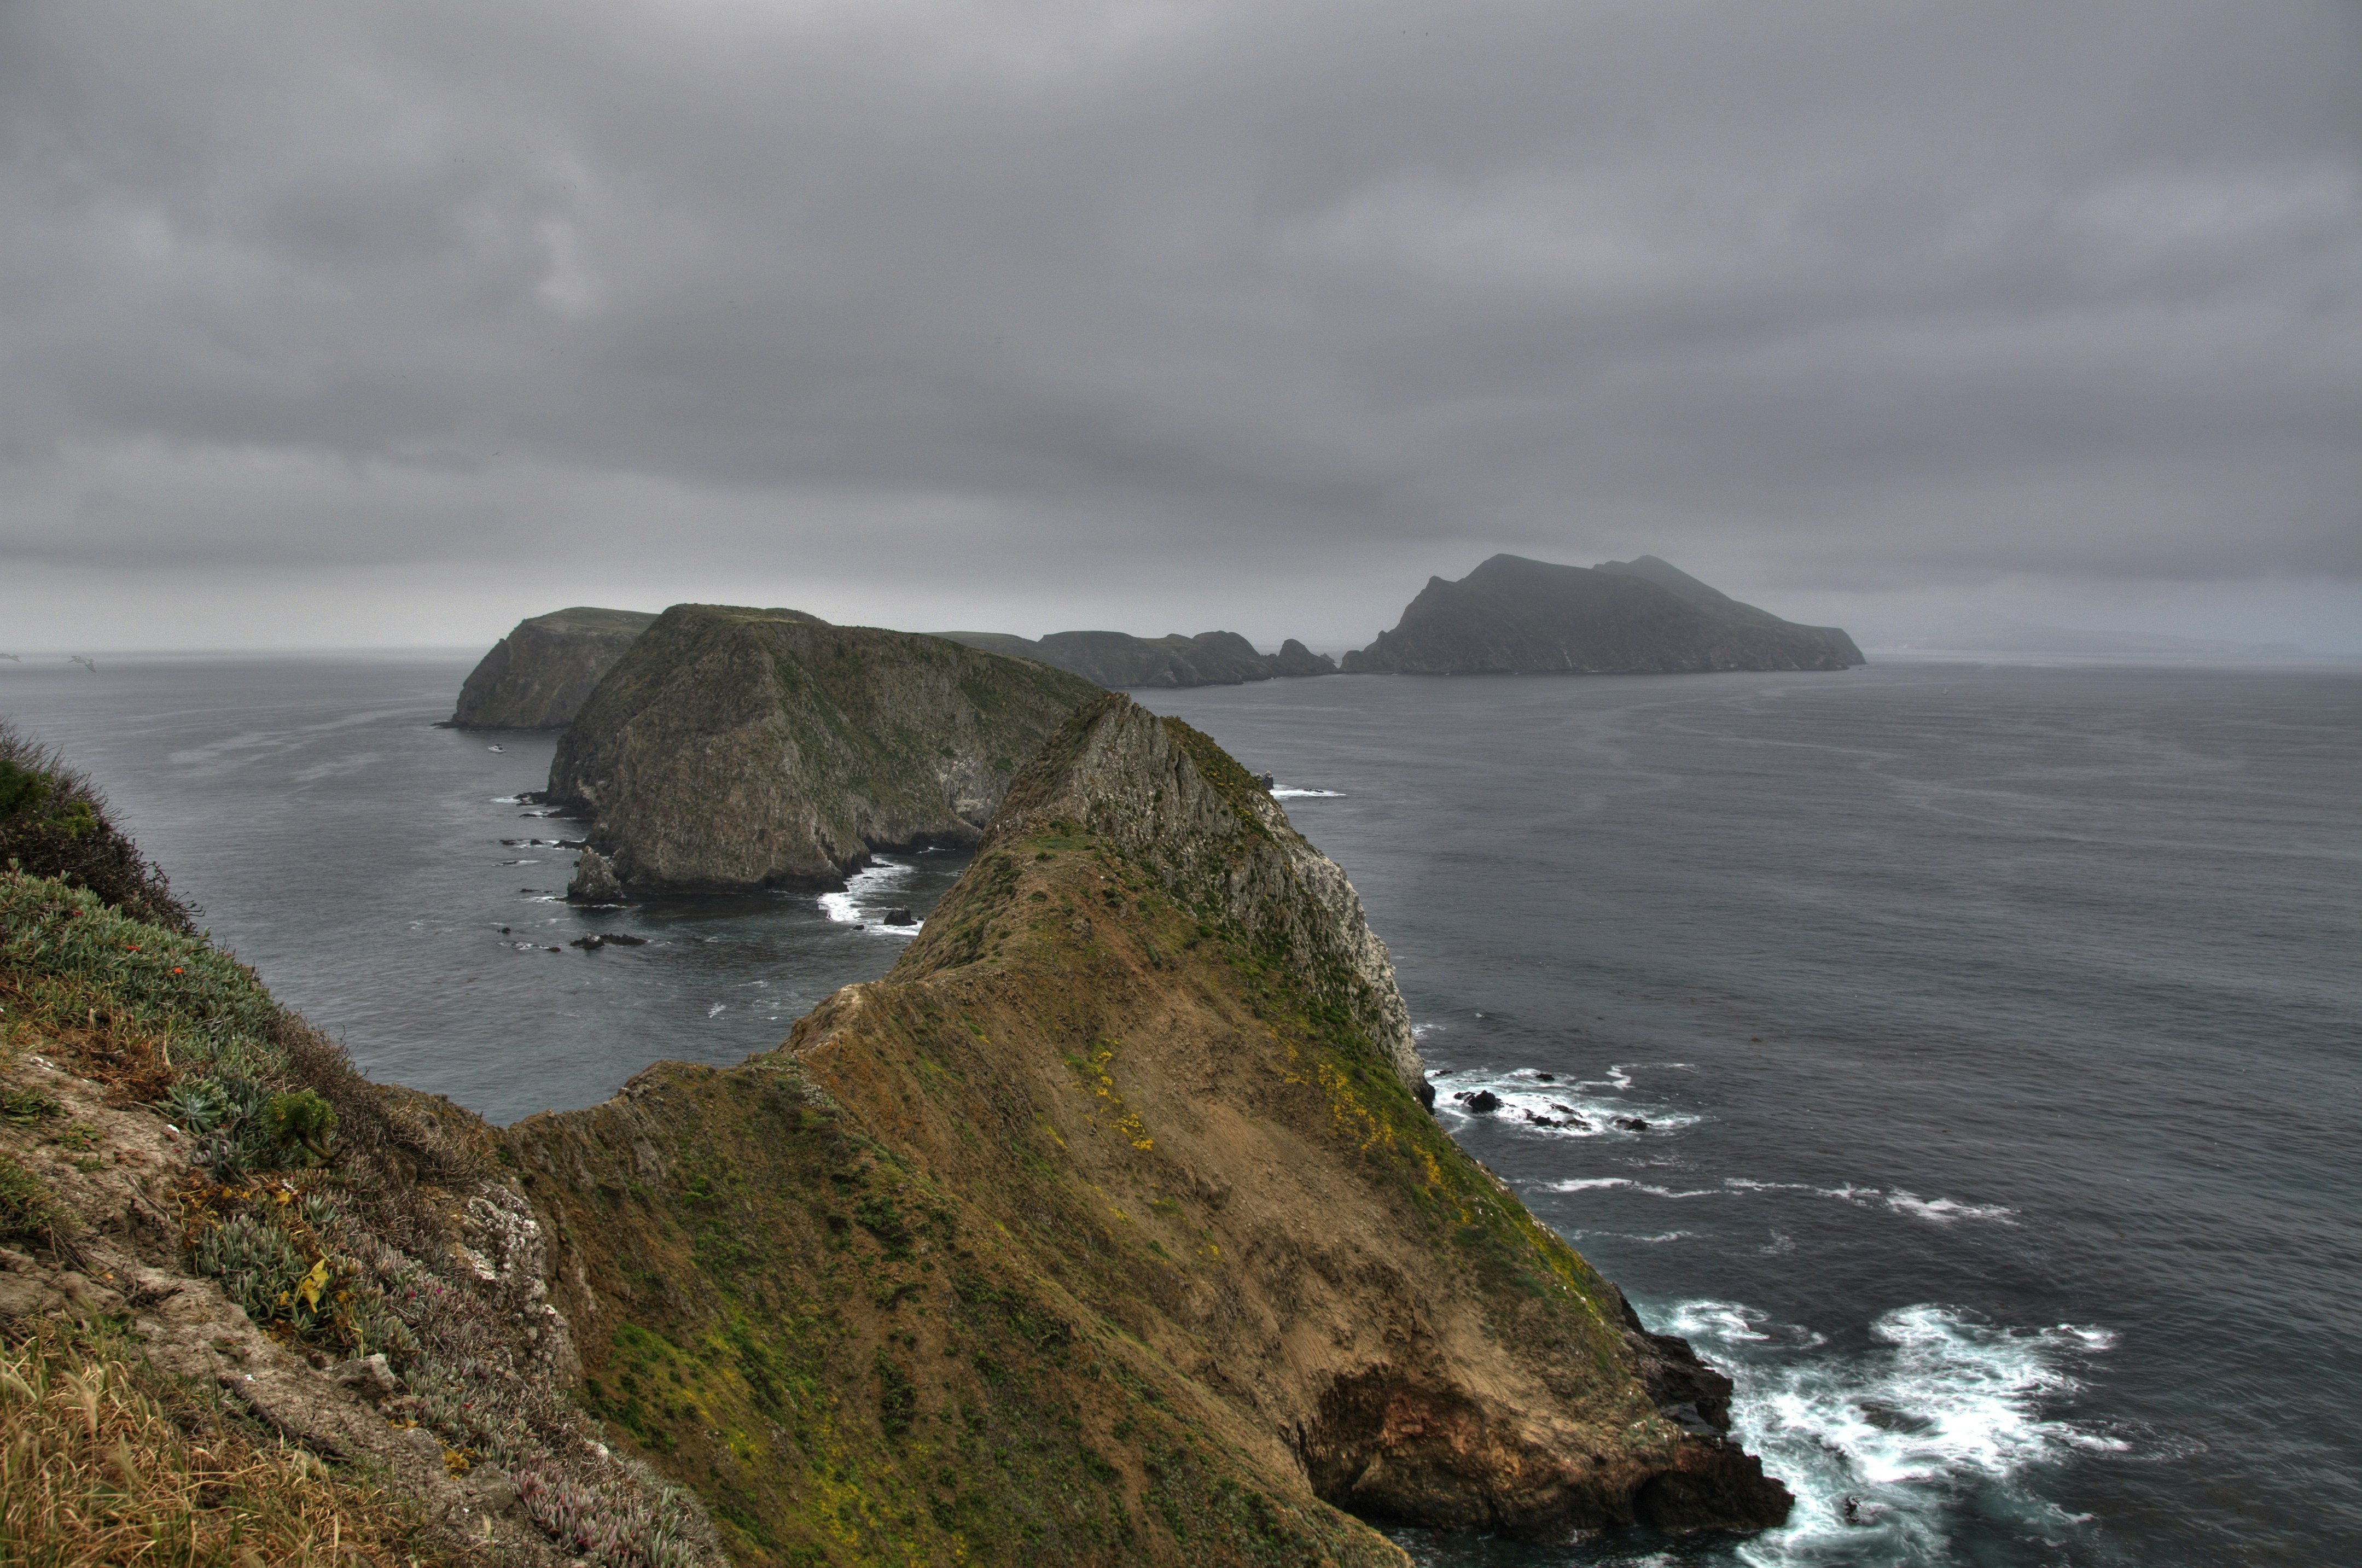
732,749
1108,1228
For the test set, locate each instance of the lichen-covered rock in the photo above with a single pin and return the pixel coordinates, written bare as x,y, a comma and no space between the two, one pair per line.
539,676
732,748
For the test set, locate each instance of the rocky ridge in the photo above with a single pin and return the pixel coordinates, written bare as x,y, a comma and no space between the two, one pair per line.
734,748
1108,1228
539,677
1119,660
1515,616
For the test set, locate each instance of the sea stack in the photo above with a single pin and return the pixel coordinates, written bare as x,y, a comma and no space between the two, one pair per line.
538,676
1514,616
733,748
1108,1228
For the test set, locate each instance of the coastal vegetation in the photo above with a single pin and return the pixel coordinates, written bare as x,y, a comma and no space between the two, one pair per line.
1109,1227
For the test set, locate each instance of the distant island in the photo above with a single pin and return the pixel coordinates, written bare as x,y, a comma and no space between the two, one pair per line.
1119,660
1510,616
539,677
1515,616
732,748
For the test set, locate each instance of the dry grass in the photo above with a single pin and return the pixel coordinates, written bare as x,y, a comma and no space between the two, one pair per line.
105,1462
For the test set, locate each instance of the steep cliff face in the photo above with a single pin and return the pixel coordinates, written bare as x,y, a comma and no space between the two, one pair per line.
735,748
1107,1228
1119,660
1517,616
539,677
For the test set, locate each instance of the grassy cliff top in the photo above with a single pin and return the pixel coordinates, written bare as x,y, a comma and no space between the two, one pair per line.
589,618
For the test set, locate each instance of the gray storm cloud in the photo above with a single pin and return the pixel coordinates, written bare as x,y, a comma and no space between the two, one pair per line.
1836,294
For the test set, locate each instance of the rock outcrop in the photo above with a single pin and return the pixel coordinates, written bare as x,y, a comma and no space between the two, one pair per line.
539,677
336,1297
1514,616
734,748
1119,660
1108,1228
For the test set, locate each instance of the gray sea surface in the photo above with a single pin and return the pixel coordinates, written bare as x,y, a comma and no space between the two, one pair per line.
1991,1032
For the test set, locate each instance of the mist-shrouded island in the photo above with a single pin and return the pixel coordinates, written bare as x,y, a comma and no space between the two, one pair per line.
1119,660
1515,616
539,677
732,749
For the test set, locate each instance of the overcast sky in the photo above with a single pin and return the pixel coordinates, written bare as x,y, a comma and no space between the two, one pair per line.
329,324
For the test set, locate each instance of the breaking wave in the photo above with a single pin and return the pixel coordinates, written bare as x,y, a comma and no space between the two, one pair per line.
1532,1100
1943,1414
865,893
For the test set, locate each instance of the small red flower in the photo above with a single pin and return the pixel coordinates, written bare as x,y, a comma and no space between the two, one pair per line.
176,968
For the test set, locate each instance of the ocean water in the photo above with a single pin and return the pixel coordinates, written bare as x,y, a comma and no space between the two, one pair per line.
1964,1057
386,880
1968,1059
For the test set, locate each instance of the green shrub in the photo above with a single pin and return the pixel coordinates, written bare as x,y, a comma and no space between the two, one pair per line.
303,1123
255,1261
54,823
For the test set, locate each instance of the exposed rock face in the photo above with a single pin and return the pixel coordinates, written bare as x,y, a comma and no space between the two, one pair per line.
1514,616
735,748
1120,659
1108,1228
539,676
595,881
1169,800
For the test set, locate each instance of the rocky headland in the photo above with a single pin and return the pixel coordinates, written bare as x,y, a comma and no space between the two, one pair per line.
734,748
539,677
1515,616
1107,1228
1119,660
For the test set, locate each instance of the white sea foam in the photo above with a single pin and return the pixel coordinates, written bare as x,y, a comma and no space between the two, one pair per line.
1588,1183
1547,1105
1289,792
1943,1211
1635,1236
1901,1201
1944,1412
716,1009
862,890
